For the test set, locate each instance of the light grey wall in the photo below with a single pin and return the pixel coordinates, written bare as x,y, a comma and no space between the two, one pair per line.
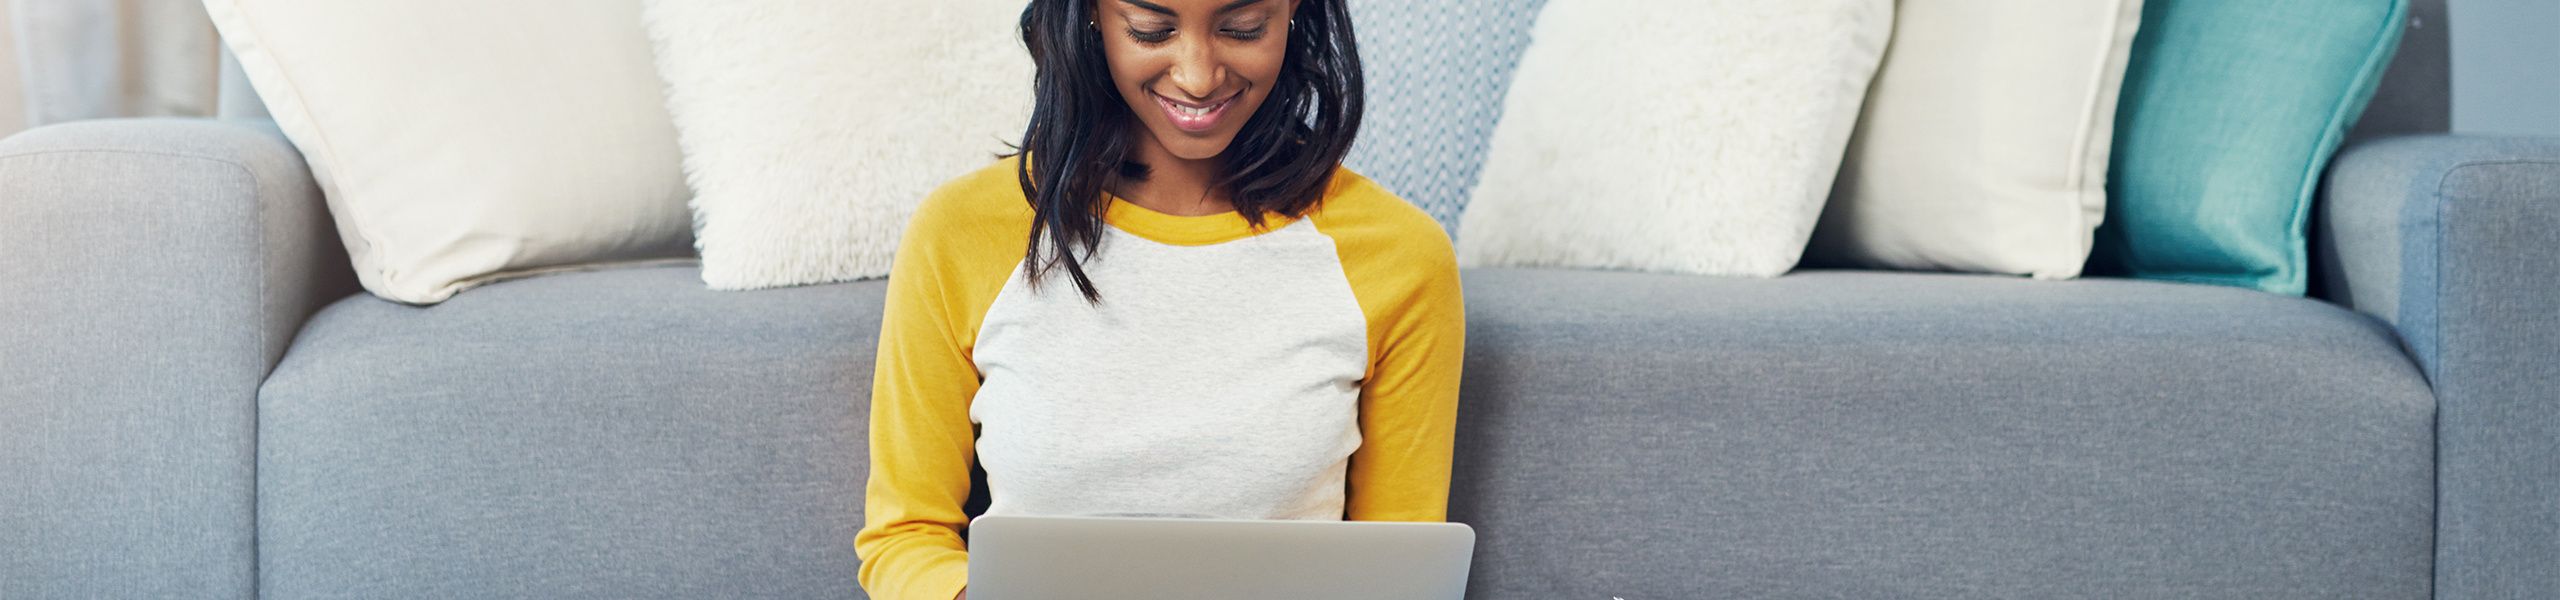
2414,96
2506,66
235,98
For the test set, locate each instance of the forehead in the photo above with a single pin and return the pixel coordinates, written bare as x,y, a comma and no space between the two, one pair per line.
1198,8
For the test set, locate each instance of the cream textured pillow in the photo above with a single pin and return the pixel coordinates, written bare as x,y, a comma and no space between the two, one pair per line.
812,128
461,140
1690,136
1984,144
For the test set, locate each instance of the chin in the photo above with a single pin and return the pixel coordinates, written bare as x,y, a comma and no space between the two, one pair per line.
1196,149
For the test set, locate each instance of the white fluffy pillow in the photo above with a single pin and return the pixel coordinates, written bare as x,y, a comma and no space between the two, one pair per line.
463,140
1984,144
812,128
1690,136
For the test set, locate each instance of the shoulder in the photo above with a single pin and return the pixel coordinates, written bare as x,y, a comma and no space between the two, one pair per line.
1398,261
989,194
977,221
1370,223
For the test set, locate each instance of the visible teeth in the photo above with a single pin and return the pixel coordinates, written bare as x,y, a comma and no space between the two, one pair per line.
1196,112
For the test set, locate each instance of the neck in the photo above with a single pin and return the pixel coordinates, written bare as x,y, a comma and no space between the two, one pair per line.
1175,185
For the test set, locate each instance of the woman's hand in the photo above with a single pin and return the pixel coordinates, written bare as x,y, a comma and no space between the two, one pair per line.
964,594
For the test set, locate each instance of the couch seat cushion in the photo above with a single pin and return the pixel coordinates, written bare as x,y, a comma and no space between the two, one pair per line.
1876,435
607,434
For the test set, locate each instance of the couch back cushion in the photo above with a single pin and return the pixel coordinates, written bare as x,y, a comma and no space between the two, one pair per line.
618,433
1900,435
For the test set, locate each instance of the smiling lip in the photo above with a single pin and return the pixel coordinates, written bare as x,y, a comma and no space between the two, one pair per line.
1191,117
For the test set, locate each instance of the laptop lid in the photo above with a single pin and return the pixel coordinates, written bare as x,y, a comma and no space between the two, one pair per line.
1119,558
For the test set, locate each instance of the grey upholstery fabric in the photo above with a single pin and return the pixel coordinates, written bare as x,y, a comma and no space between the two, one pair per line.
2452,240
609,434
1874,435
151,271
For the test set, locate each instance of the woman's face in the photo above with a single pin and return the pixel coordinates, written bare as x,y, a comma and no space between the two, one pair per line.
1194,70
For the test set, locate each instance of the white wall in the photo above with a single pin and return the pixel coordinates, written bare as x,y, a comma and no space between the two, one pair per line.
2506,66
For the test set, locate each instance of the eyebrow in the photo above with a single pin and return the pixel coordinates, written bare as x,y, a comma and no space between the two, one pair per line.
1159,8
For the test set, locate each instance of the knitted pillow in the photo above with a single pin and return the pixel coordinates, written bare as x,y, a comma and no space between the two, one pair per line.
1436,71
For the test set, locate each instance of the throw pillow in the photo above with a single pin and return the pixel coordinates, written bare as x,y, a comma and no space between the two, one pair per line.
2231,111
1983,144
1437,71
1673,135
458,141
812,128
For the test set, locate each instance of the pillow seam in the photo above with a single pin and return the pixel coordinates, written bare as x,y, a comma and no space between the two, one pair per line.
302,109
2357,95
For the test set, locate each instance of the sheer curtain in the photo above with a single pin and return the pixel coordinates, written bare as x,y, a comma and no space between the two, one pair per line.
13,90
87,59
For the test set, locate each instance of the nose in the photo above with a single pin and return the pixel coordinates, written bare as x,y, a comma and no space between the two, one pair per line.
1196,68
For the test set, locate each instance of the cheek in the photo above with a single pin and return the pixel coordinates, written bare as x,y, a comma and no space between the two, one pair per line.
1262,63
1126,74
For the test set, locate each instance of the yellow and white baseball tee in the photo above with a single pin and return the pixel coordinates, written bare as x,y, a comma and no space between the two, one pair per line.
1304,370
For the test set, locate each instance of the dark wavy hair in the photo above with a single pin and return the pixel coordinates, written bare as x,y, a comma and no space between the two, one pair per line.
1079,142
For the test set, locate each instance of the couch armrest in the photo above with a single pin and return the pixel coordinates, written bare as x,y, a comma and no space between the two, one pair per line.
2456,242
151,272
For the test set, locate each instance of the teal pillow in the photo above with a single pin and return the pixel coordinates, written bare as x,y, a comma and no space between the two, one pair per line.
2229,112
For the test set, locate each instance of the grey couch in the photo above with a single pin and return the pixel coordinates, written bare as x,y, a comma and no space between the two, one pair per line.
195,402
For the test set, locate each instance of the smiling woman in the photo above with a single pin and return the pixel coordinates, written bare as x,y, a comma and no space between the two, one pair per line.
1195,76
1252,332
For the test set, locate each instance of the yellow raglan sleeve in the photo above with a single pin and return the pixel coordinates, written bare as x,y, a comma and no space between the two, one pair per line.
1401,267
949,265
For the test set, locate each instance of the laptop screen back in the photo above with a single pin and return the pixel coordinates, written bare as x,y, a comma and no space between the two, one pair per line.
1098,558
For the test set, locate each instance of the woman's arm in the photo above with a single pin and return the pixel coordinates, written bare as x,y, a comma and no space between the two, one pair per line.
953,258
1401,266
921,445
1409,412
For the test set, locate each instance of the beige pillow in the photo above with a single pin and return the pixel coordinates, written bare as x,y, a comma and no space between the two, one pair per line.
1687,136
812,128
462,140
1984,142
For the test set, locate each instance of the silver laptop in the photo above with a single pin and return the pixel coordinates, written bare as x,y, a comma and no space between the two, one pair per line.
1117,558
